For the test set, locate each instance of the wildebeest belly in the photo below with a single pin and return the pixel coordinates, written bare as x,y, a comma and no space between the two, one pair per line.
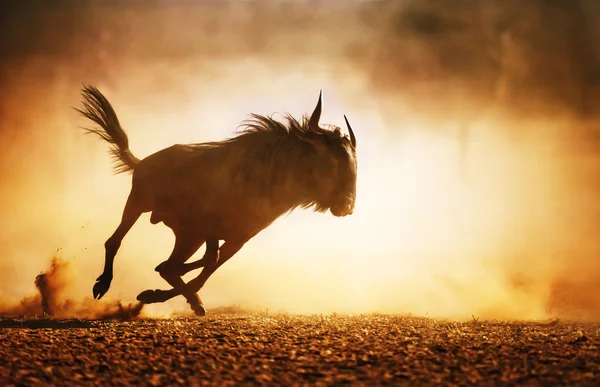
187,188
224,224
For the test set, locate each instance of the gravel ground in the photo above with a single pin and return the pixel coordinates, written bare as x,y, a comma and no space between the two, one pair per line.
279,349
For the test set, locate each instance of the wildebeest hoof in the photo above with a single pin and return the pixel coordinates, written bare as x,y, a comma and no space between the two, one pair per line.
152,296
170,269
199,310
101,286
196,304
147,296
160,266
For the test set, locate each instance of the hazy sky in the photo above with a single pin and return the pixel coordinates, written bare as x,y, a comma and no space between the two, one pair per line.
544,51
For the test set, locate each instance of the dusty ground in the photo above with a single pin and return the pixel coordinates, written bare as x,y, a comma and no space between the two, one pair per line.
278,349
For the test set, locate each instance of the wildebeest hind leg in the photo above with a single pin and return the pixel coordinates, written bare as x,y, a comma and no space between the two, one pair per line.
131,213
186,245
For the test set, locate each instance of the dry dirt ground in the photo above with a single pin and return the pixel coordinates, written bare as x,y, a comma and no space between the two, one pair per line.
251,349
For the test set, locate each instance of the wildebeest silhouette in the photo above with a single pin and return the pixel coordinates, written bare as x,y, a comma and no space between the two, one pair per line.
227,191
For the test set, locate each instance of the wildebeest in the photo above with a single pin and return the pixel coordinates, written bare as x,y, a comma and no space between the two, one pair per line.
224,191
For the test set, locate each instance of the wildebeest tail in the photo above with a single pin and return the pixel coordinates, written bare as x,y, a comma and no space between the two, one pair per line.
97,108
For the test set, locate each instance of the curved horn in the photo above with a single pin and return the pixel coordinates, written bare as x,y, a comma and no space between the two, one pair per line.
352,137
313,123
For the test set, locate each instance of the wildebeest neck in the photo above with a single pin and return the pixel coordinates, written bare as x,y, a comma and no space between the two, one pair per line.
280,172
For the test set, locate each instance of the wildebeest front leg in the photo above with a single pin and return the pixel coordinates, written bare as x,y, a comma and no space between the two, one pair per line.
228,250
170,270
185,246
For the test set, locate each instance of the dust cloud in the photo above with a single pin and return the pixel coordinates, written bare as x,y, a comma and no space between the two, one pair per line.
477,139
53,288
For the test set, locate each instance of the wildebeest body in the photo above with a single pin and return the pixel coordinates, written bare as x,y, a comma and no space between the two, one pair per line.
231,199
228,190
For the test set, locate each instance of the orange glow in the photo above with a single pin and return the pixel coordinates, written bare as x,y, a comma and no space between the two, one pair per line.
424,239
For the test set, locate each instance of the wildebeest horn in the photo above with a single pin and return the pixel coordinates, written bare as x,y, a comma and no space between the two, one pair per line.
352,138
313,123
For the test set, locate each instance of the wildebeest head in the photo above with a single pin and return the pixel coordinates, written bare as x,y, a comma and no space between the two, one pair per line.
335,174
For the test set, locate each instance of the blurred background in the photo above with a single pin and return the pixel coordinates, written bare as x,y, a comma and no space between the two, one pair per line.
476,122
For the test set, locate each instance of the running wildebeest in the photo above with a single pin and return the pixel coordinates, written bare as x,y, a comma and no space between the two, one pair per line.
228,190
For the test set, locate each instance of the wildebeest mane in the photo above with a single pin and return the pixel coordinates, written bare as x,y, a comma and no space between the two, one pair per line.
274,160
294,127
267,125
